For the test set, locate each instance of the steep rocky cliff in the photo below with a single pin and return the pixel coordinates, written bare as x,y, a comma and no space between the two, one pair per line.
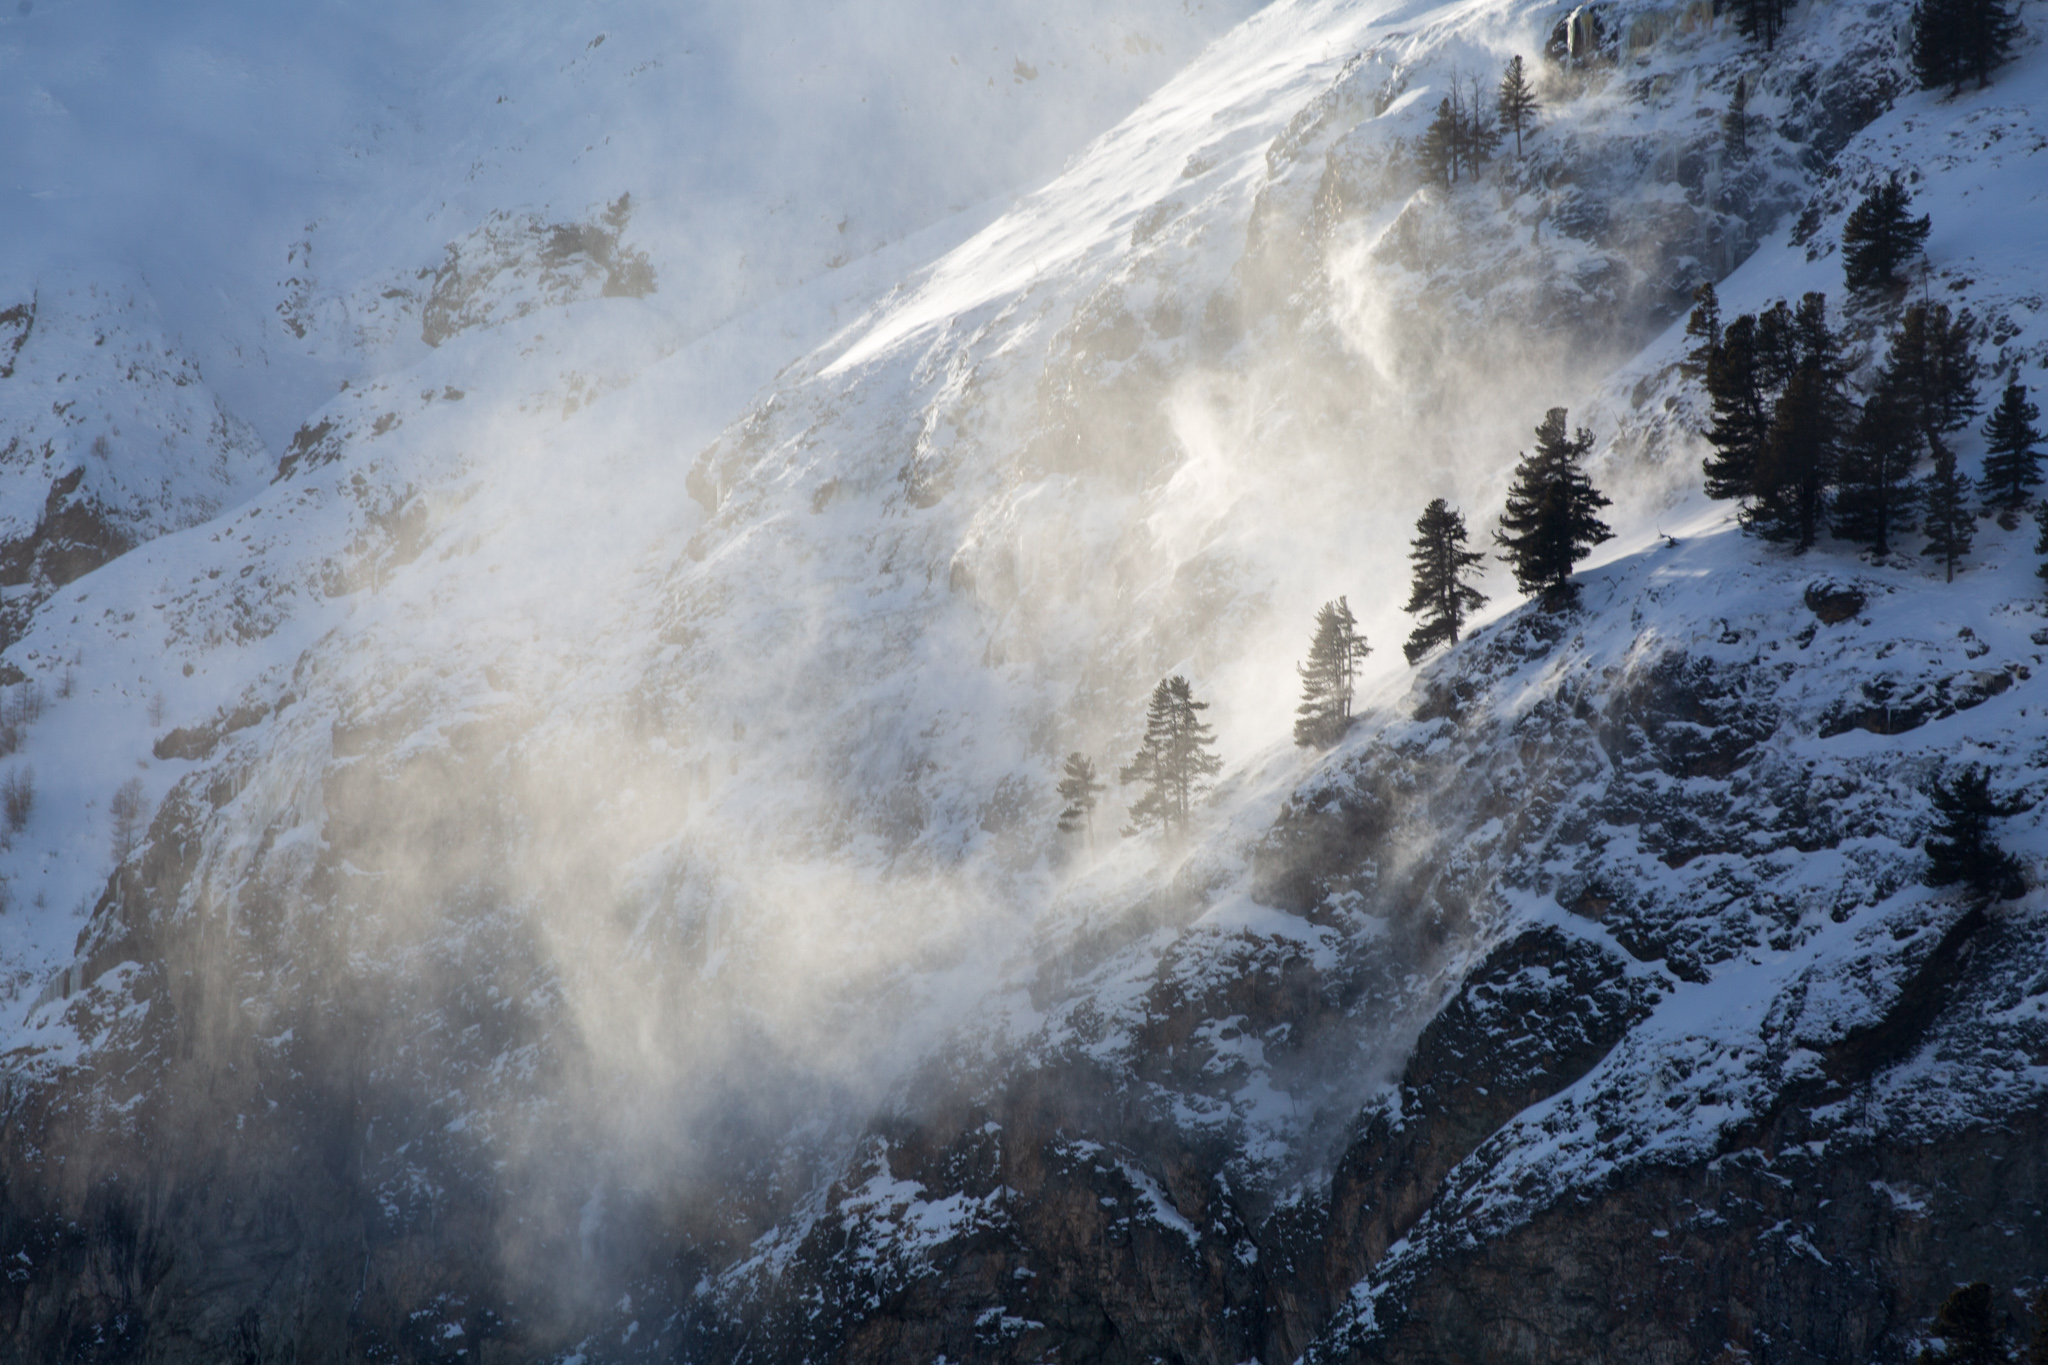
525,885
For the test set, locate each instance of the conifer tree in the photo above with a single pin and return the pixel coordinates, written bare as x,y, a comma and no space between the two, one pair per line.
1443,143
1960,847
1079,789
1441,598
1879,237
1735,123
1795,465
1874,491
2037,1346
1760,19
1517,101
1174,761
1970,1331
1703,325
1551,521
1742,408
2011,465
1988,31
1954,40
1326,679
2041,542
1933,366
1482,133
1950,525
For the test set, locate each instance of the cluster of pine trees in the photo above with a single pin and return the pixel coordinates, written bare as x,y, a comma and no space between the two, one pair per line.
1958,40
1468,129
1550,523
1800,454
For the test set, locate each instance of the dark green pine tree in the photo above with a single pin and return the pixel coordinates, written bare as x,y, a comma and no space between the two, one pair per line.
1441,600
1795,466
1950,525
1735,123
1079,789
2011,465
2041,542
1879,236
1934,49
1174,762
1326,679
1934,367
1760,19
1984,41
1954,40
1551,521
1960,848
1443,143
1874,487
2037,1345
1742,408
1703,326
1516,103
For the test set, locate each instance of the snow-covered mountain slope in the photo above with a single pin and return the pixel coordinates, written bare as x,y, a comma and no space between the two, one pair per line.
600,893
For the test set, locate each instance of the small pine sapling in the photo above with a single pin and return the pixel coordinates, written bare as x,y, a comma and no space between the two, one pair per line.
1960,849
2011,464
1879,236
1440,599
1079,789
1326,679
1933,366
1950,525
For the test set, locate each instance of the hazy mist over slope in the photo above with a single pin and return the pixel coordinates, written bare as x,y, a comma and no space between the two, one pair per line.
600,526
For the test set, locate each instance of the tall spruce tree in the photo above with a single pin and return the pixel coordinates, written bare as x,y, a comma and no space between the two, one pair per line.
1954,40
1795,465
1441,600
1703,325
1516,103
1988,31
1174,762
1551,521
1327,678
1760,19
1934,367
1735,123
1880,236
1950,524
1874,487
2011,465
1742,401
1443,142
1960,848
1079,789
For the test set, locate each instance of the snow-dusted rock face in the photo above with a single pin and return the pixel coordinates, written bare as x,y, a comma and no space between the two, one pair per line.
546,865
